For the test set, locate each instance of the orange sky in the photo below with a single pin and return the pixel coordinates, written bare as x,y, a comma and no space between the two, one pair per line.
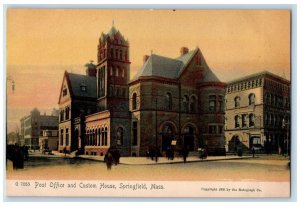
42,43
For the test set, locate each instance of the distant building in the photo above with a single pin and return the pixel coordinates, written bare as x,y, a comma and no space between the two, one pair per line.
171,102
49,140
33,125
258,113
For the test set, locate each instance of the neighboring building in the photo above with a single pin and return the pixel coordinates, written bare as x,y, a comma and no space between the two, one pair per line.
32,127
180,98
255,108
49,140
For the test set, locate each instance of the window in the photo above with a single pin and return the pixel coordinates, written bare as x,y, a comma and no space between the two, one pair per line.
271,119
212,103
65,91
67,137
251,99
168,102
221,105
134,133
105,136
237,102
185,103
267,119
267,98
121,54
221,129
126,56
67,113
212,129
111,71
134,101
117,72
62,114
236,120
120,134
83,88
112,53
193,104
61,137
244,120
117,53
123,72
251,120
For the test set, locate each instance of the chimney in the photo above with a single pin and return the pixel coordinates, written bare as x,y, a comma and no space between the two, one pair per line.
184,50
145,58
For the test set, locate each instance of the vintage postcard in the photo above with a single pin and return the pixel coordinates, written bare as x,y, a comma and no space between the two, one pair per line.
148,103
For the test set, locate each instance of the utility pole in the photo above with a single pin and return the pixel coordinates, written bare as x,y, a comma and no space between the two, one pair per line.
156,140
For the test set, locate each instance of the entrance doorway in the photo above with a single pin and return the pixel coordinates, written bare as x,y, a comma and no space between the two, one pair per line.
189,137
167,136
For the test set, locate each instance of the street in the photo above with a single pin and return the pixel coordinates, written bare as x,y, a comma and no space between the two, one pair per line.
263,168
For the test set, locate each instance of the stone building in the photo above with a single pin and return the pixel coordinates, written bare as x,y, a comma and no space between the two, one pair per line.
32,127
171,102
256,106
179,100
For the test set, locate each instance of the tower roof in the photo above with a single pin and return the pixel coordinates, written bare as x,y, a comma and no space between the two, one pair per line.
112,34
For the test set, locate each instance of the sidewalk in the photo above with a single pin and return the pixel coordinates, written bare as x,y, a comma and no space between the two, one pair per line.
164,160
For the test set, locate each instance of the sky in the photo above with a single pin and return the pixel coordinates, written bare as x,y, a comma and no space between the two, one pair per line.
42,43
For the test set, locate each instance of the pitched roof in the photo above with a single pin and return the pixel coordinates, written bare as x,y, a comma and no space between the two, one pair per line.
78,80
164,66
160,66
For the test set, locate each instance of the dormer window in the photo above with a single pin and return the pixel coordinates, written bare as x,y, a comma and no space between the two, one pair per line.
65,91
83,88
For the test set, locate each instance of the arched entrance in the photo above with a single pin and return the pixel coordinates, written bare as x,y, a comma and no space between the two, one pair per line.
168,134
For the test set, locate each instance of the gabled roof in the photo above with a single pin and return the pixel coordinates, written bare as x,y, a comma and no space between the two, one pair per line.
159,66
164,66
76,82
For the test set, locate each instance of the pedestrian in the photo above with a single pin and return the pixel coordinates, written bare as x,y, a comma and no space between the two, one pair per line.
108,159
253,152
185,153
65,151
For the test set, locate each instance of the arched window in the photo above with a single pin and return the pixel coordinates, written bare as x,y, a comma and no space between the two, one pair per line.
251,120
251,98
267,119
193,104
105,137
117,71
236,120
168,101
123,72
237,102
121,54
87,137
120,135
134,101
185,103
99,137
212,103
111,71
270,119
102,137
